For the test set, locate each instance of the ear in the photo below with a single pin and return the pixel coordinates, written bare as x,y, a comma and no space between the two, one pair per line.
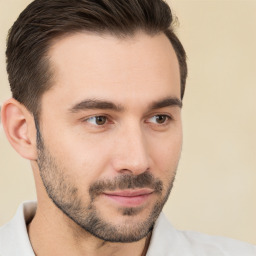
19,126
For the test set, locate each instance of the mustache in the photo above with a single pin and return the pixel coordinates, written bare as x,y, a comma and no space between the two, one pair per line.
126,181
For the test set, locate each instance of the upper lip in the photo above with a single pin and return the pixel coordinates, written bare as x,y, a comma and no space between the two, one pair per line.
130,192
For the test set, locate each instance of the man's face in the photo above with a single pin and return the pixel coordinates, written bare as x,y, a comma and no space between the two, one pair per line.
110,132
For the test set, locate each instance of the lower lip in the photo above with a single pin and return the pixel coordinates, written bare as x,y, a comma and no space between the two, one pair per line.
129,201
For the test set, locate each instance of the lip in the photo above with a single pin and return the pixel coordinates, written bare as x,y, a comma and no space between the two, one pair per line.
129,198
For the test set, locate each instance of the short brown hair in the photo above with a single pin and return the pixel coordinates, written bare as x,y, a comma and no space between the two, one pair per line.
44,20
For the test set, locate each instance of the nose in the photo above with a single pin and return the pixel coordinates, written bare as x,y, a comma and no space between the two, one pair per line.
131,154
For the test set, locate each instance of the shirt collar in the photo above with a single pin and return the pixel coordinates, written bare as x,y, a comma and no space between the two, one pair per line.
13,235
15,240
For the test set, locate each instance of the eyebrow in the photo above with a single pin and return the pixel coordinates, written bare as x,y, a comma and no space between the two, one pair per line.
102,104
167,102
95,104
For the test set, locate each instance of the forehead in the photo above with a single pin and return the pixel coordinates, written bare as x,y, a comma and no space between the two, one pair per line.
104,66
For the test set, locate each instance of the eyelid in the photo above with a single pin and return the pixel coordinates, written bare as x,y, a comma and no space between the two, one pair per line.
108,120
168,116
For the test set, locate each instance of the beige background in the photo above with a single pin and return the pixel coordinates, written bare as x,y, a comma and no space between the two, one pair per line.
216,183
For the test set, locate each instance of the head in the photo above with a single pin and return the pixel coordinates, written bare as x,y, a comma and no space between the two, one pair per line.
43,22
104,82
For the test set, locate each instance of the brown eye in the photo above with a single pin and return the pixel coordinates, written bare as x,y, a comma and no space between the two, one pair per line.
100,120
97,120
160,119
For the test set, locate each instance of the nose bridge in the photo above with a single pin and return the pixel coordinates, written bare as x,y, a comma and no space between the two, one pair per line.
132,155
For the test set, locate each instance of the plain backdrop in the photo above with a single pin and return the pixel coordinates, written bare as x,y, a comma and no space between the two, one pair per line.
215,186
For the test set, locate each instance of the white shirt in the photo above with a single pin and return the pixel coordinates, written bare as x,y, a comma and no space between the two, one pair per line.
165,240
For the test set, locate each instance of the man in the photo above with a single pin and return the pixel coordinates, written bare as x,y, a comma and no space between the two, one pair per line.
97,95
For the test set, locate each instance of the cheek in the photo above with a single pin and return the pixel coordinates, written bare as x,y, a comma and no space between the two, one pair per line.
85,158
167,148
165,155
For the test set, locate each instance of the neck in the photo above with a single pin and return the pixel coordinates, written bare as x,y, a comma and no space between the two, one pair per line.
52,233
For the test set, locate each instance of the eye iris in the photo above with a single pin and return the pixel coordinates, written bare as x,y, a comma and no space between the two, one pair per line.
160,119
100,120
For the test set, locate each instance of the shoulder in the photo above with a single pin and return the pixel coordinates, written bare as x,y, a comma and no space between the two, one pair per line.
203,244
14,239
188,243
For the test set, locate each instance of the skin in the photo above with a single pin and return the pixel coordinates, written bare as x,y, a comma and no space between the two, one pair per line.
138,135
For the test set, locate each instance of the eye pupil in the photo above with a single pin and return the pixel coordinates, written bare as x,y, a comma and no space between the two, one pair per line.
160,119
100,120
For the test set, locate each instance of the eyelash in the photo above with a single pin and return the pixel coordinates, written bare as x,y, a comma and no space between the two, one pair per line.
167,118
99,116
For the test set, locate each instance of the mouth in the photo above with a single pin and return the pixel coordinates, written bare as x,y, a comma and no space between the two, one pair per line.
129,198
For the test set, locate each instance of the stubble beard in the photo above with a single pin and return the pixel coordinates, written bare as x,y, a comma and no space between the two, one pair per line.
65,195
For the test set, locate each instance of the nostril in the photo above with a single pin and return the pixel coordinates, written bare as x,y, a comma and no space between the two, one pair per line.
133,170
125,171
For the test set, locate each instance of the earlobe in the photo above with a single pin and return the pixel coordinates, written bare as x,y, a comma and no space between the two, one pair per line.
19,127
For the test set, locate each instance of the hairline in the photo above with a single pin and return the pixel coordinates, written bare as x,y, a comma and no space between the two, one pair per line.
46,57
